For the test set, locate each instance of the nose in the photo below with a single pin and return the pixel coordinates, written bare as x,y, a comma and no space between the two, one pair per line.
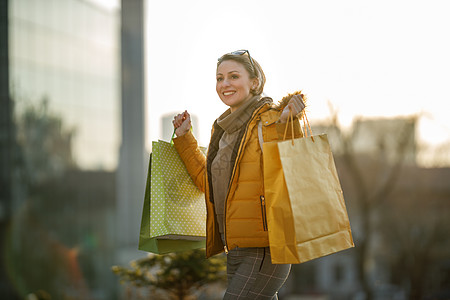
226,82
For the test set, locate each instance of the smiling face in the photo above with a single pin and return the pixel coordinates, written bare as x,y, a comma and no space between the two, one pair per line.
233,84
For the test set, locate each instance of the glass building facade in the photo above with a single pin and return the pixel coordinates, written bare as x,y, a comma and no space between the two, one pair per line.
58,222
68,52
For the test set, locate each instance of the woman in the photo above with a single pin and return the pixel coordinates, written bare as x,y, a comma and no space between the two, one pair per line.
231,175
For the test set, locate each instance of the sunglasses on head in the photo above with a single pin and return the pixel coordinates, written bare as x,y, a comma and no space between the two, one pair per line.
242,52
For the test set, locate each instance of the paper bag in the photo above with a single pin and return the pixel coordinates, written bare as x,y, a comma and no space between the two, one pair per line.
306,212
174,212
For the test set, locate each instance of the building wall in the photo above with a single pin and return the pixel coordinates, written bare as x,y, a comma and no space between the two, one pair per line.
6,148
383,136
133,164
68,52
64,64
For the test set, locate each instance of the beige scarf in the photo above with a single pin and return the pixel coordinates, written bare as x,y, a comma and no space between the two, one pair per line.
221,166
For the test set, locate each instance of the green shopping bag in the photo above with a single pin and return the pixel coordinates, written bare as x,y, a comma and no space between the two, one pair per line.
174,213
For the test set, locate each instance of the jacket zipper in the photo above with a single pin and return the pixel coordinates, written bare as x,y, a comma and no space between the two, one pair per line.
233,173
263,212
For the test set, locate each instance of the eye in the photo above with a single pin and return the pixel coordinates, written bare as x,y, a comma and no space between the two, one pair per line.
234,76
219,79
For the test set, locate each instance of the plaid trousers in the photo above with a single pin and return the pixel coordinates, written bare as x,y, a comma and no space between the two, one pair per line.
252,276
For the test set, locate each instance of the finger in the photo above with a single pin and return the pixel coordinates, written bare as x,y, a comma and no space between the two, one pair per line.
296,107
293,105
184,121
178,120
299,104
187,123
298,99
186,115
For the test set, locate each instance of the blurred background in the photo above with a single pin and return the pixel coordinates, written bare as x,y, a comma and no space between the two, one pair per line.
86,85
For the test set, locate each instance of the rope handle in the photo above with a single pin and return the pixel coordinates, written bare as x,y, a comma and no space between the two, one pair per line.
173,135
306,122
306,126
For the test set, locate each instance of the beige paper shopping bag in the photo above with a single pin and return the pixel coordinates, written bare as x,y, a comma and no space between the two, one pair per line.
306,212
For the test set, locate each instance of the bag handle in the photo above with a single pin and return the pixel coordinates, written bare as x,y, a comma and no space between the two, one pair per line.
306,122
173,135
290,118
306,126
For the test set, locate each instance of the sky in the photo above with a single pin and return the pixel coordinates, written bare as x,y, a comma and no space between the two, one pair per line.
364,58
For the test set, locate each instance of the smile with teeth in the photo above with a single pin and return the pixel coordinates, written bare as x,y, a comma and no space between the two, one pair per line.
228,93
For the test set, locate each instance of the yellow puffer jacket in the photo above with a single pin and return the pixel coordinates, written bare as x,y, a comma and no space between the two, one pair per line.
245,219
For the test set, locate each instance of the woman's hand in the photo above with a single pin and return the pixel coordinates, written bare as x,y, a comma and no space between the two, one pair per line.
182,123
296,105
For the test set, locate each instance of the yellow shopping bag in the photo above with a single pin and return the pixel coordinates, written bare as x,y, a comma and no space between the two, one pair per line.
306,212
